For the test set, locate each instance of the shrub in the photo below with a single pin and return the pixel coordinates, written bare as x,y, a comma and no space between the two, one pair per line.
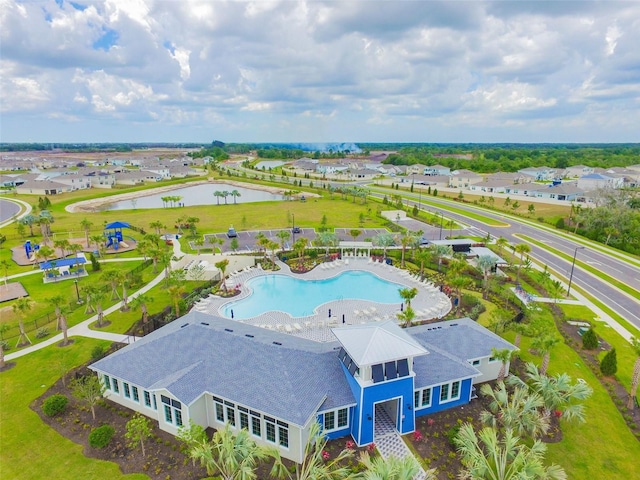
560,223
101,436
95,265
589,340
5,345
97,352
452,433
42,332
609,364
54,405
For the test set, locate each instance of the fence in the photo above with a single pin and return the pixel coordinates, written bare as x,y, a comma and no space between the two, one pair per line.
48,320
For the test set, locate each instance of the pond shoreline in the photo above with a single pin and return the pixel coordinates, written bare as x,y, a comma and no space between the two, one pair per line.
95,205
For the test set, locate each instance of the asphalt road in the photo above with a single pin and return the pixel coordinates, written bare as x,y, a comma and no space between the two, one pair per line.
8,209
626,305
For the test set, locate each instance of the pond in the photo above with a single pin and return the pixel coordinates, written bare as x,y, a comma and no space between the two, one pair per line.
197,195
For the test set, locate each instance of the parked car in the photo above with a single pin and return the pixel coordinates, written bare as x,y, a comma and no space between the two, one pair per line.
296,230
231,233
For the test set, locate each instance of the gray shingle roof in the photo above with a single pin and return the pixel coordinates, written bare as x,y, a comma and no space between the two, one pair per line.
289,381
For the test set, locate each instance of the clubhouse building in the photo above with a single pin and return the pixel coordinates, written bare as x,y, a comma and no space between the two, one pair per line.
213,371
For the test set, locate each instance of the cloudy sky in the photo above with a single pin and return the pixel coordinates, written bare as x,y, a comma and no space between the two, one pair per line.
397,71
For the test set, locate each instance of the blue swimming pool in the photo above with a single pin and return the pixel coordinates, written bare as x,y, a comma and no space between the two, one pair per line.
299,298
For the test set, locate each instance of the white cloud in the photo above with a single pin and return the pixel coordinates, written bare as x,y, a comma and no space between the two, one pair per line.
291,69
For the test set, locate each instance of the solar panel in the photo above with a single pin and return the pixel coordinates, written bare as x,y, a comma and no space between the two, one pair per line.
377,373
390,370
342,354
352,368
403,368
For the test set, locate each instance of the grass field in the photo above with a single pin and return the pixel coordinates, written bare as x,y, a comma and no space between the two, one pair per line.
30,449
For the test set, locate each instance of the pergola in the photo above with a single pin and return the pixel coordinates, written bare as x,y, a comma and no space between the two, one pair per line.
355,249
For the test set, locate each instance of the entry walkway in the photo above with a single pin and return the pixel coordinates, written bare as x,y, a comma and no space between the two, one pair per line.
389,442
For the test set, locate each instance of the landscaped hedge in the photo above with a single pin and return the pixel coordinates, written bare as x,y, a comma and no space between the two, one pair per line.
101,436
54,405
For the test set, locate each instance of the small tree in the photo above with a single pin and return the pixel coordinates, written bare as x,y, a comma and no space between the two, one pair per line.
635,376
192,436
609,364
54,405
589,340
138,430
89,390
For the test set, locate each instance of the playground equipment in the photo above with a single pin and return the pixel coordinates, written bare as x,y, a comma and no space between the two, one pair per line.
31,249
113,233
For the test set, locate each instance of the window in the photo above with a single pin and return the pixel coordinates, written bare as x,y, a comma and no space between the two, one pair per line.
127,392
231,416
147,399
475,363
444,393
343,417
178,417
116,386
492,359
455,390
136,398
329,419
255,426
155,403
283,436
422,398
167,414
107,382
172,409
244,421
219,412
271,429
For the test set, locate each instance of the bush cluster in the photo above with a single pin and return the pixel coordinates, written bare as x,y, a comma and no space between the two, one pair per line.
54,405
101,436
42,332
589,340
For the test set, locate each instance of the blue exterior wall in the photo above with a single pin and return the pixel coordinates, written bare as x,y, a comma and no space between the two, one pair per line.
356,390
380,392
343,432
436,406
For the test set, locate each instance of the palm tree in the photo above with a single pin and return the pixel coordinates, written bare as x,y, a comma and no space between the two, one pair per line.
519,411
57,302
222,266
97,240
635,376
175,292
299,246
283,235
86,226
217,194
87,292
406,316
501,243
75,248
30,221
235,194
314,466
225,194
543,344
486,264
384,240
45,220
326,240
457,283
440,251
423,255
392,468
158,226
20,308
521,249
557,392
64,326
234,457
486,456
504,355
408,294
113,278
406,240
141,301
5,267
97,298
355,233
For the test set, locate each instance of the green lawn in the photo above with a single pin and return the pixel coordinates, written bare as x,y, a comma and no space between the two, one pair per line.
30,449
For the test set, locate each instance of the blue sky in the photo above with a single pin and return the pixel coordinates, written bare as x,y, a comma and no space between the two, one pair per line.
296,71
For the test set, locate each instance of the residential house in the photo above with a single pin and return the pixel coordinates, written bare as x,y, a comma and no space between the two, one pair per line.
510,177
595,181
215,371
576,171
433,181
131,177
436,170
567,191
331,168
43,187
463,178
540,174
490,186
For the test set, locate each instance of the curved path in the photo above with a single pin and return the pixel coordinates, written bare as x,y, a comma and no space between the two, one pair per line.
620,266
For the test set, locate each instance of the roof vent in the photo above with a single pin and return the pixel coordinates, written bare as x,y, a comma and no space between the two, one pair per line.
277,343
182,326
248,335
228,330
204,323
453,325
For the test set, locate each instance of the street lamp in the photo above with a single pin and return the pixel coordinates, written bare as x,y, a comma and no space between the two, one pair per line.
573,264
420,200
293,228
77,291
441,222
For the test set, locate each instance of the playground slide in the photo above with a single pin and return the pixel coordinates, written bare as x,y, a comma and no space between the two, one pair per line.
124,245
